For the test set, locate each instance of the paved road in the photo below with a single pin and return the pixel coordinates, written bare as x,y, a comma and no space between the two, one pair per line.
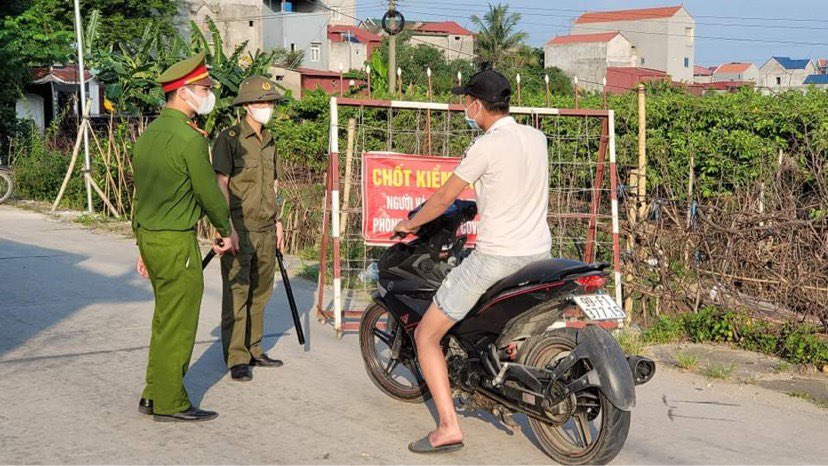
74,328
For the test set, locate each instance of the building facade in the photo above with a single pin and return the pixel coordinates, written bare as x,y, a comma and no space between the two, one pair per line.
664,38
238,21
783,73
738,72
455,41
351,47
587,56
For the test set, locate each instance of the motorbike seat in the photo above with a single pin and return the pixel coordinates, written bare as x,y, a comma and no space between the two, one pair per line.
545,271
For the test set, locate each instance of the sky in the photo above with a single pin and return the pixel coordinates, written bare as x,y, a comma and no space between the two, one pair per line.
726,30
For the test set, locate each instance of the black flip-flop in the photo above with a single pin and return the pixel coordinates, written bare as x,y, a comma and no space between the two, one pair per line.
424,446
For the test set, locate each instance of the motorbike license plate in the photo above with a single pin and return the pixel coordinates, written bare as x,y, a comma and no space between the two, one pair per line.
600,307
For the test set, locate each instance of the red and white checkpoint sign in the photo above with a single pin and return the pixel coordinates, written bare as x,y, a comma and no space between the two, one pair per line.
394,184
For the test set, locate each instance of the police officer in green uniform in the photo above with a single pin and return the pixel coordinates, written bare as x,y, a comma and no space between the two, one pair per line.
174,187
247,170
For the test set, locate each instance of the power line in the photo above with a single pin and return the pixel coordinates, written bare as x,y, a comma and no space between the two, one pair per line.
532,13
653,15
599,29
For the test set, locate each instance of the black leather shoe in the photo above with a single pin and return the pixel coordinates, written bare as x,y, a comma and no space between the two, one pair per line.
241,373
191,415
265,361
145,406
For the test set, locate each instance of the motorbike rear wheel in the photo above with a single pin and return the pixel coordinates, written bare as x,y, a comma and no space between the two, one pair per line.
380,336
6,185
596,431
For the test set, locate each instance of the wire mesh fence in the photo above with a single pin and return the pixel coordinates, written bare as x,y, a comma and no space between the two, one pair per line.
583,185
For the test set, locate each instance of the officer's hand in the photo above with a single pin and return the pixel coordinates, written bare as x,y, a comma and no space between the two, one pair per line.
280,237
223,245
234,240
141,268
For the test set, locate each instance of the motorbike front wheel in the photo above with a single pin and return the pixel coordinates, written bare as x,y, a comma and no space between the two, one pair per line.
6,185
588,428
390,357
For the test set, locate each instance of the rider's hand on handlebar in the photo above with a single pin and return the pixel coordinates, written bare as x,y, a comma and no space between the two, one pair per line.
403,229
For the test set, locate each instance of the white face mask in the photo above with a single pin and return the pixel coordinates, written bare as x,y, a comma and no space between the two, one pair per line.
261,114
205,104
471,120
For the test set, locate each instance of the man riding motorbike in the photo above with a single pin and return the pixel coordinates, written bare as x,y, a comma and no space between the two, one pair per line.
508,166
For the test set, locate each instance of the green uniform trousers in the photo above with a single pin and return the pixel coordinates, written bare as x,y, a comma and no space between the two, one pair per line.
247,279
173,261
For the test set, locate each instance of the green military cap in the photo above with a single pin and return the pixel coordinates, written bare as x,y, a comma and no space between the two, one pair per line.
257,89
191,70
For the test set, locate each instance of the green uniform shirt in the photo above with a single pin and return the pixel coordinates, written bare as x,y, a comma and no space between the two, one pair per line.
174,183
252,166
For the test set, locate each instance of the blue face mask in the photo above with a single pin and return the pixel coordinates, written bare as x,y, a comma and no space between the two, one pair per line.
471,121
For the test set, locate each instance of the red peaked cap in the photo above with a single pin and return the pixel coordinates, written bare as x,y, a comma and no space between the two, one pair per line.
192,70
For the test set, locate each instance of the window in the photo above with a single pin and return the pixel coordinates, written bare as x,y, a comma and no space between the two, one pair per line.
688,33
315,51
336,15
686,62
642,60
778,81
250,23
292,47
456,37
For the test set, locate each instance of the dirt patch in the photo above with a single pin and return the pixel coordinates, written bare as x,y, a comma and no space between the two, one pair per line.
739,366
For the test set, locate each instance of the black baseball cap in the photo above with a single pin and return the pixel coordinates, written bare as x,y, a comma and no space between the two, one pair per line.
488,85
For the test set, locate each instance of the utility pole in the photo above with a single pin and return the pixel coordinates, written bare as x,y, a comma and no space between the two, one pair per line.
392,50
86,168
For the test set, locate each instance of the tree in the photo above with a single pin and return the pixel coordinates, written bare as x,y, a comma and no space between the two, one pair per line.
497,37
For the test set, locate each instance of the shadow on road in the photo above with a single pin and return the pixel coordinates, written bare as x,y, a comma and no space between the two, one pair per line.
210,367
30,308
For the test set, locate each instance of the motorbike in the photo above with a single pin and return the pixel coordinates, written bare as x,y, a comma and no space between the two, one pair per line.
532,345
6,182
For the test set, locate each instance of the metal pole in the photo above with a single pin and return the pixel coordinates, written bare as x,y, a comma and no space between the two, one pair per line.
616,244
392,52
84,120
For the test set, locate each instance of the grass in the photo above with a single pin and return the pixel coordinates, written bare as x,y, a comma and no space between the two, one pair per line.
782,367
630,343
687,361
309,272
805,396
719,371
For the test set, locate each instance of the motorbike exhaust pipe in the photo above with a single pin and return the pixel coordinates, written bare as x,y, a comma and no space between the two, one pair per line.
643,369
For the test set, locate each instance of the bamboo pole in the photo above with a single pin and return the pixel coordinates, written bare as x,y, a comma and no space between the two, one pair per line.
71,168
349,156
101,194
642,152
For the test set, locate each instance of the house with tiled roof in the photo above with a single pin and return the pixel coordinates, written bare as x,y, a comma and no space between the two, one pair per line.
664,38
702,74
783,73
350,46
822,65
736,71
455,41
588,56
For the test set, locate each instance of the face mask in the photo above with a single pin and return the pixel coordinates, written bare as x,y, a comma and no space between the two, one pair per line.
261,115
471,121
205,104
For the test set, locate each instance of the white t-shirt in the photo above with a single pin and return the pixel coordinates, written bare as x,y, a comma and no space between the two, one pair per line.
509,168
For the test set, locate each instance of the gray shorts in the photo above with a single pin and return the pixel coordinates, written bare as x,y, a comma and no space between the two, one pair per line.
466,283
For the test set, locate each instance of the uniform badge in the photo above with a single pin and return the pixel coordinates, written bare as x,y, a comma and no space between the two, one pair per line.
266,86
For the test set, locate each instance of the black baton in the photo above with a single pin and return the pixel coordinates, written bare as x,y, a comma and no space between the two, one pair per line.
300,335
210,255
